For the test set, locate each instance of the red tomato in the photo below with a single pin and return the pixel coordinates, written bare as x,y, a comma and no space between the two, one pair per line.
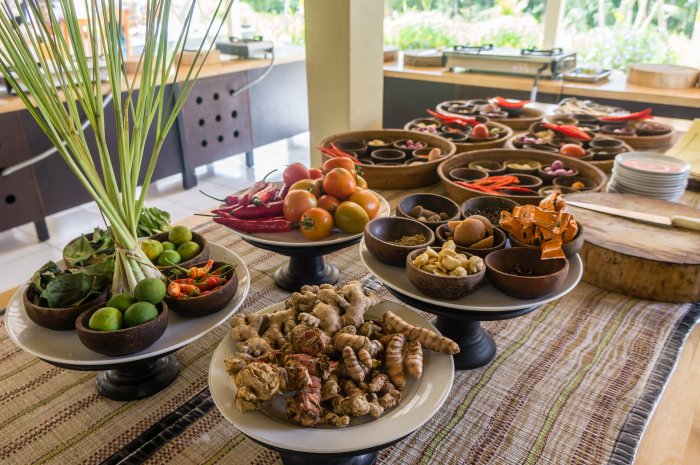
572,150
295,172
339,183
307,185
316,224
296,203
328,203
480,131
367,200
349,217
340,162
315,173
361,183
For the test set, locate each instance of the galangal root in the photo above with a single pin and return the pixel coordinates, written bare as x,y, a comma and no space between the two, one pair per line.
321,354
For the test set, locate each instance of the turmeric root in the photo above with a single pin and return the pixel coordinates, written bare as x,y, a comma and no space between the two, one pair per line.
366,359
390,400
330,387
353,365
370,329
427,338
377,383
414,359
394,360
355,341
375,408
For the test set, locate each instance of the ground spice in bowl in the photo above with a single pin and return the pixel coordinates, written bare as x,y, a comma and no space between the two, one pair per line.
416,239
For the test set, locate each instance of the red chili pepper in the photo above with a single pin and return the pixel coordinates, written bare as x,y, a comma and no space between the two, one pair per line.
265,195
230,200
644,114
568,130
252,212
174,290
335,152
507,103
195,272
453,119
189,290
247,197
184,281
282,193
256,226
211,282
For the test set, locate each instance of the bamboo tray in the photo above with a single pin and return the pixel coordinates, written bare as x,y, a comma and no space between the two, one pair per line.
526,118
461,160
400,176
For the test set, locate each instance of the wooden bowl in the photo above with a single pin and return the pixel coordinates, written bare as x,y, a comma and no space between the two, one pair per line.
454,137
567,181
388,156
529,181
547,178
460,193
433,202
562,120
493,168
468,174
59,319
533,166
499,241
203,255
122,341
355,147
506,133
398,177
209,303
526,117
441,287
552,272
547,190
570,249
380,231
488,206
647,142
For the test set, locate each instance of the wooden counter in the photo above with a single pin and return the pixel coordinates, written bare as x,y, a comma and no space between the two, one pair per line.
615,88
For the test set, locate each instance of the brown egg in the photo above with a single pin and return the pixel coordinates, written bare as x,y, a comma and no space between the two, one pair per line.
469,232
484,243
487,223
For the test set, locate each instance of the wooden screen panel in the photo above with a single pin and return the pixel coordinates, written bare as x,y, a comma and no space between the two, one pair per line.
19,199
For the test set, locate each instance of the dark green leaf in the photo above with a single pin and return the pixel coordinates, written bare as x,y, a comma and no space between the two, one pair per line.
43,275
69,290
78,251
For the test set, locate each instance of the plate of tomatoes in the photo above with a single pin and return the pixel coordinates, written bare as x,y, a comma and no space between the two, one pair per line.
311,207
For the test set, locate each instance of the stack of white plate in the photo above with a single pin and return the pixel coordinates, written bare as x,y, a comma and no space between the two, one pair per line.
650,175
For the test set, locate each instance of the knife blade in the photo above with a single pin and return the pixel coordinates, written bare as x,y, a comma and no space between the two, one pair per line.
678,221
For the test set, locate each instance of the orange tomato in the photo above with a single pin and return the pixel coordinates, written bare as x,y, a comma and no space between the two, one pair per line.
309,185
316,224
360,181
340,162
328,203
296,203
480,131
351,218
315,173
572,150
367,200
339,183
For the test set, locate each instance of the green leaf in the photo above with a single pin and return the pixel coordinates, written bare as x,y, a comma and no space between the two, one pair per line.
70,290
104,269
43,275
78,251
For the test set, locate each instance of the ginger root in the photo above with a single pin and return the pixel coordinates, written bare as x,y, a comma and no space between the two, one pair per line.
394,360
414,359
427,338
256,382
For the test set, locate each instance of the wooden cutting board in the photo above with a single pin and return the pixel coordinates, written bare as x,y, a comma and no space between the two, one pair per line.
639,259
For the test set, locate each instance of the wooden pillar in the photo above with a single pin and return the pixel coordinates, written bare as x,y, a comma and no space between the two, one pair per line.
344,67
553,18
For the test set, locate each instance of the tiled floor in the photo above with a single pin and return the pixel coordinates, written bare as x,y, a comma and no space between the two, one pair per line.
221,178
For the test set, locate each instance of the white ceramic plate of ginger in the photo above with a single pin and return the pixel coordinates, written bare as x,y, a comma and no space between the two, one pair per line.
421,399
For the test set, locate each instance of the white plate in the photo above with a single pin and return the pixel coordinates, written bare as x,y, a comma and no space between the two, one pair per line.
645,162
485,299
65,347
421,400
296,239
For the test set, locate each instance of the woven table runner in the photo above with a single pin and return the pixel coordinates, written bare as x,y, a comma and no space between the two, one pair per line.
574,382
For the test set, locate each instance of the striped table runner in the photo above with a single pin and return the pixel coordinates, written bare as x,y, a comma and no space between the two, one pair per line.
572,383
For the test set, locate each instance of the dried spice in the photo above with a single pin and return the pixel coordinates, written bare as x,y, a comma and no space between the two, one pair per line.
416,239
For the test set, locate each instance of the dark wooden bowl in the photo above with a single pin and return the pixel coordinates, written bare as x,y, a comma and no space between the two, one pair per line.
441,287
59,319
468,174
433,202
198,238
562,120
547,190
499,241
553,272
570,249
388,156
206,304
567,181
529,181
354,147
122,341
380,231
488,206
499,141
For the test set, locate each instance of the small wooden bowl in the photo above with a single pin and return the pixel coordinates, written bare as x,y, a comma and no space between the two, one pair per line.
606,144
528,180
454,136
468,174
487,206
358,148
567,181
499,241
617,130
562,120
122,341
203,255
422,154
401,145
570,249
433,202
547,178
493,168
380,231
541,148
58,319
206,304
582,118
532,170
388,156
441,287
544,191
553,272
477,140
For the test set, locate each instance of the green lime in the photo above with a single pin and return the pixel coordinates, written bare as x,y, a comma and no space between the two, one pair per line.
169,258
121,302
106,319
149,290
167,245
139,313
152,248
189,250
179,235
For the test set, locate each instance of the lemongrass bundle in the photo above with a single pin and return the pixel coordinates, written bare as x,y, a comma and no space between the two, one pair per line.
34,52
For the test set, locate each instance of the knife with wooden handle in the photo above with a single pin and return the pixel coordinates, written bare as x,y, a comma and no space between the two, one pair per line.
678,221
